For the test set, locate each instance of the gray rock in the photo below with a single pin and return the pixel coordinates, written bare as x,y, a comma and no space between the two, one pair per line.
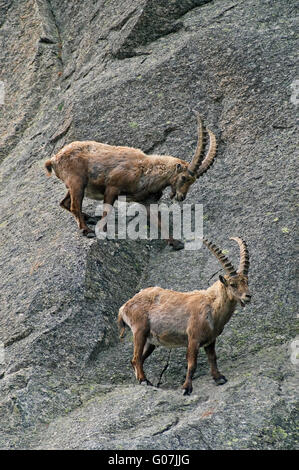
130,75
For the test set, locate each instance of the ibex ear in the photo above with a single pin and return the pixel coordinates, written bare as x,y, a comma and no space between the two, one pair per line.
178,167
223,280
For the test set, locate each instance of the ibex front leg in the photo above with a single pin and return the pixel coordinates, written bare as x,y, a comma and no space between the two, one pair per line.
138,357
212,358
110,197
156,219
192,353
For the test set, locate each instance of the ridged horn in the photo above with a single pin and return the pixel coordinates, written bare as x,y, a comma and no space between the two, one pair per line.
209,159
198,154
244,256
220,256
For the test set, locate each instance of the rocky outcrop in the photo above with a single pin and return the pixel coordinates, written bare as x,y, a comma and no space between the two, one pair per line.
130,74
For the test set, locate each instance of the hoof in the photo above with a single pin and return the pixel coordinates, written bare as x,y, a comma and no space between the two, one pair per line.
220,380
188,391
91,235
177,245
91,221
145,382
86,232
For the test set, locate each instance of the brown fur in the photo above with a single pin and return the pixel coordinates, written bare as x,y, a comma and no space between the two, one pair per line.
104,172
194,319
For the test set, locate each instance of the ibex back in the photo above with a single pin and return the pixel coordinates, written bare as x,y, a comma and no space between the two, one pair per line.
104,172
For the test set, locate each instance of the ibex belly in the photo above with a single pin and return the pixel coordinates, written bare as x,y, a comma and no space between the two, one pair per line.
93,193
170,332
95,188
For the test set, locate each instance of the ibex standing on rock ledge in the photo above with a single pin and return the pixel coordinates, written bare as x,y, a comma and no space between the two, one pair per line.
104,172
194,319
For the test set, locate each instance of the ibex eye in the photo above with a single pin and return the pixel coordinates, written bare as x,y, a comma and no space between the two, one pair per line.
183,178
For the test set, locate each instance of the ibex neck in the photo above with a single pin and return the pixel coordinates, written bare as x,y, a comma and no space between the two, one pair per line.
161,169
223,306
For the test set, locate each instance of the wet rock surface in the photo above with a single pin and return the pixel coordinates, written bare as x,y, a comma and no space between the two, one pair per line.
130,75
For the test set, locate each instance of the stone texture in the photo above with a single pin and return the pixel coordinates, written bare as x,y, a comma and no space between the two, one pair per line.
131,75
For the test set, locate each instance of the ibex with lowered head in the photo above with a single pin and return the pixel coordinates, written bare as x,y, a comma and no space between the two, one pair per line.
104,172
194,319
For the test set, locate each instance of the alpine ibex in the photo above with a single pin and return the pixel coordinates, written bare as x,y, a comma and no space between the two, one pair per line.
104,172
194,319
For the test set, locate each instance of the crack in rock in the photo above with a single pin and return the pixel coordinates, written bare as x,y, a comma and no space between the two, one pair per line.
167,428
164,369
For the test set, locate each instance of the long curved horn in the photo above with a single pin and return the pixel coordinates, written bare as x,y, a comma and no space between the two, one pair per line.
198,154
209,159
220,256
244,256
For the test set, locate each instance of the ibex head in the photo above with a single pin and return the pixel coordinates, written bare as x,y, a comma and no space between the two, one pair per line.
235,282
187,173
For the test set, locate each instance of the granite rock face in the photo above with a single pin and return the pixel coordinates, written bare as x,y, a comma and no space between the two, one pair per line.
130,74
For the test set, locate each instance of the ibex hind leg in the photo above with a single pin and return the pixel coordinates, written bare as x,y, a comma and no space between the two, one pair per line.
147,351
77,194
66,204
140,354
